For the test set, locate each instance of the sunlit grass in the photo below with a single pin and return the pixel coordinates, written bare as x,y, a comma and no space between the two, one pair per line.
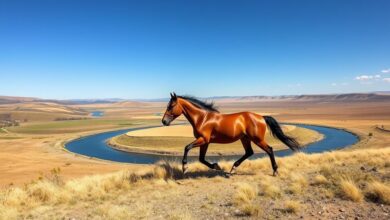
302,176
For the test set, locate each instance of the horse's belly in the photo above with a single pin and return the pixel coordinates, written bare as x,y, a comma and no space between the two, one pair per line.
224,139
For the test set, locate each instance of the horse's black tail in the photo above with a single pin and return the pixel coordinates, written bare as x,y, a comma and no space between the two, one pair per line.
277,131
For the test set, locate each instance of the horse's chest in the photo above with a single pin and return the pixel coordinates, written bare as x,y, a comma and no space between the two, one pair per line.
206,133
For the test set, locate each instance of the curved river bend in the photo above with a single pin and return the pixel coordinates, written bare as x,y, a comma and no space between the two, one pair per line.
96,146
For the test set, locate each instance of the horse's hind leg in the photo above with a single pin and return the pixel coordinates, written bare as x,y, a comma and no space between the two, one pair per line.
246,142
202,158
263,145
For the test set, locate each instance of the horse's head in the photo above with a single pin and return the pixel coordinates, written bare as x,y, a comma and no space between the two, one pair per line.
173,111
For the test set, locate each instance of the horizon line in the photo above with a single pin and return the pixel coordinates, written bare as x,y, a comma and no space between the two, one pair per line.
208,97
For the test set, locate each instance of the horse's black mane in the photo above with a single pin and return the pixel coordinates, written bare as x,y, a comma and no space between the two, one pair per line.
201,104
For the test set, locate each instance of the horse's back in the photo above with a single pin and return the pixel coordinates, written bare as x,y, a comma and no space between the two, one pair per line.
248,116
248,122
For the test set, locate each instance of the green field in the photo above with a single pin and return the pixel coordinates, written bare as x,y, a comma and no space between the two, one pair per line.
70,126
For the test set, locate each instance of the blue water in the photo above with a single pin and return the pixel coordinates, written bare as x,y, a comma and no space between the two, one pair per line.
97,113
96,146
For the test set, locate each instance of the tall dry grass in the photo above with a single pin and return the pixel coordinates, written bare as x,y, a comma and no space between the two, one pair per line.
379,192
328,173
245,193
349,190
292,206
244,199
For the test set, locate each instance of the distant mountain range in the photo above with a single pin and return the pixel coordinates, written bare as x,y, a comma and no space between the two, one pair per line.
374,96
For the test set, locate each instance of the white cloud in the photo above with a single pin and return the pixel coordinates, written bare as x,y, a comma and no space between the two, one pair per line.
367,77
386,71
386,80
364,77
334,84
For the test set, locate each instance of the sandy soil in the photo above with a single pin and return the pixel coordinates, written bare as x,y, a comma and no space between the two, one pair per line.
27,157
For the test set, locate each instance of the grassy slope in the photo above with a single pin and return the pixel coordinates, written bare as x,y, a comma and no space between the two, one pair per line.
349,184
175,144
41,111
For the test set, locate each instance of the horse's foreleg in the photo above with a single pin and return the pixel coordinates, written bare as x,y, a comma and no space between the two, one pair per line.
202,158
198,142
263,145
246,142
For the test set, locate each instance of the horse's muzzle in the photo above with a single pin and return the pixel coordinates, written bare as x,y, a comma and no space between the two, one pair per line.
165,122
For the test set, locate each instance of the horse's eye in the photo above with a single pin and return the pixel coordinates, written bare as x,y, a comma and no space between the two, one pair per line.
170,107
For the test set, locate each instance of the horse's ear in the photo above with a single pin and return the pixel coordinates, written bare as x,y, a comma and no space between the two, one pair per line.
173,96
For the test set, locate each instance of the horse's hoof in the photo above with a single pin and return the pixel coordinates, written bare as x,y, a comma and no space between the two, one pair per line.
216,166
276,173
233,170
185,167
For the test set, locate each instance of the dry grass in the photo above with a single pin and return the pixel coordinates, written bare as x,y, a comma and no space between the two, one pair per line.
8,213
179,215
101,195
292,206
114,212
349,190
298,183
244,197
320,180
269,188
379,192
250,209
245,193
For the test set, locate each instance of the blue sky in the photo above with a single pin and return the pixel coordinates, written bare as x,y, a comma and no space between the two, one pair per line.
146,49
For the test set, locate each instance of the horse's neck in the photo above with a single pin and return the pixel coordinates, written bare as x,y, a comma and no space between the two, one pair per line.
193,114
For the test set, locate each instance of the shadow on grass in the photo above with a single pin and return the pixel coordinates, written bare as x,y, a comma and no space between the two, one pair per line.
169,171
173,172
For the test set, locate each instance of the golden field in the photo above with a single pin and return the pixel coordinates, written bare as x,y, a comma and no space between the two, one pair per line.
42,181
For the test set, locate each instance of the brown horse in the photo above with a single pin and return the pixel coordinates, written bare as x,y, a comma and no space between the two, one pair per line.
210,126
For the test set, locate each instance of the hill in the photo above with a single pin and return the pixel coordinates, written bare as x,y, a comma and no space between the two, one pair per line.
352,97
14,99
34,110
